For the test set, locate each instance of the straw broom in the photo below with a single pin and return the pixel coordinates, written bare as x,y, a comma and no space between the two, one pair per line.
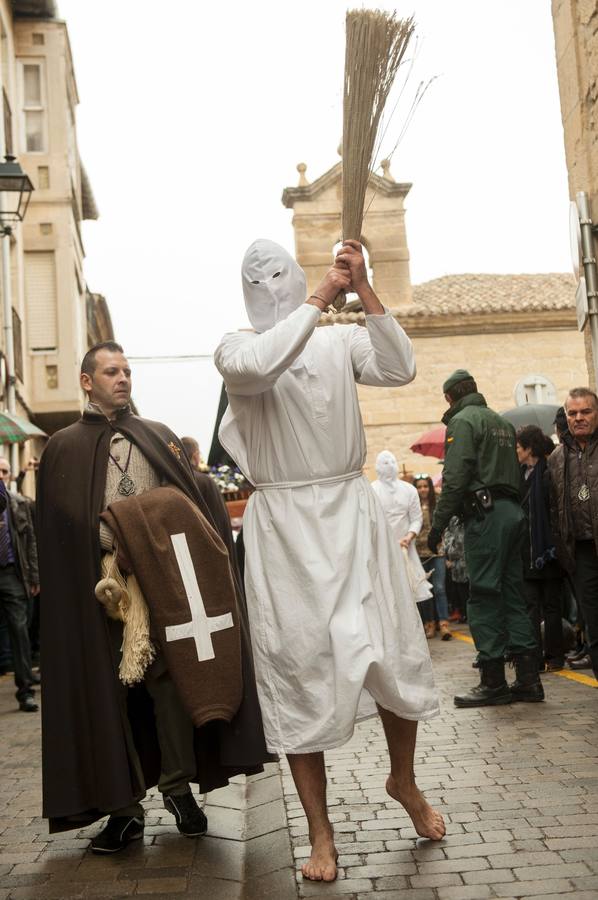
376,42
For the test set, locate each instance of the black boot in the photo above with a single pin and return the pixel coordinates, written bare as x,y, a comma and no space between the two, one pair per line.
527,687
492,689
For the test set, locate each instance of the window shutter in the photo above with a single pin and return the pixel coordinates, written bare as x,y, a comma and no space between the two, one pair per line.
40,300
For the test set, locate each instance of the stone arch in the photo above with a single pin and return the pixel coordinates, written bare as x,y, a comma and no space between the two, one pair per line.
317,224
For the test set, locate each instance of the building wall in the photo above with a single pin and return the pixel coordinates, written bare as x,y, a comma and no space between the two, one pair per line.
52,223
576,45
317,227
395,417
48,243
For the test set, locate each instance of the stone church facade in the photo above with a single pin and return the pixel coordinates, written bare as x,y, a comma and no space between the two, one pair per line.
505,329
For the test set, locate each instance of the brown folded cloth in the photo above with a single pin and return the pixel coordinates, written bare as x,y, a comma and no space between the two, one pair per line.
183,569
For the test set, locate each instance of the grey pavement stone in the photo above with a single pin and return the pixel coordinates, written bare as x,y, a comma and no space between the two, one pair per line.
353,886
447,879
536,888
489,876
464,892
564,870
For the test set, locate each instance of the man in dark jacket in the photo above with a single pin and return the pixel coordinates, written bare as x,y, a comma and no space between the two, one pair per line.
103,746
19,581
481,483
573,469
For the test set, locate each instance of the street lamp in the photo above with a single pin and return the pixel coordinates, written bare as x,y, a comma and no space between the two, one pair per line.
15,193
16,186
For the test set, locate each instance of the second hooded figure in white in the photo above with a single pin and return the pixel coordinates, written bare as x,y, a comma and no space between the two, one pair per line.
330,605
400,502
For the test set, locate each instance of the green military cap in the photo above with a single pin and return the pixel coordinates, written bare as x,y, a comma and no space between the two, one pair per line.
455,378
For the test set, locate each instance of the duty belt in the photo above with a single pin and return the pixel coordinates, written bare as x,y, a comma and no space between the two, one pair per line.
479,503
286,485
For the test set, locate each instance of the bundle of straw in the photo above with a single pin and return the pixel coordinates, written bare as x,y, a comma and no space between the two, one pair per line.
376,42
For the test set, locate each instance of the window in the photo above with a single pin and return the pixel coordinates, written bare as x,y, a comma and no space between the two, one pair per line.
40,301
34,112
43,178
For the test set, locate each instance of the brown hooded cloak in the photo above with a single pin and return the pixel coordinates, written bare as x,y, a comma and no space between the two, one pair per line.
86,768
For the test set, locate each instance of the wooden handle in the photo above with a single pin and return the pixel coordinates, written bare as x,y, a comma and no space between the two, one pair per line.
339,301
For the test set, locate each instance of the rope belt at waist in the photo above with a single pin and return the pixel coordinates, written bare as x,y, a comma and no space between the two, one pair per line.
331,479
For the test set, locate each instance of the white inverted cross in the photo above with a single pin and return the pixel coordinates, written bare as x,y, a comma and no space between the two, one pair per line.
201,626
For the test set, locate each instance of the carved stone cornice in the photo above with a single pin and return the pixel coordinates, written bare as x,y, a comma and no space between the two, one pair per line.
471,323
308,192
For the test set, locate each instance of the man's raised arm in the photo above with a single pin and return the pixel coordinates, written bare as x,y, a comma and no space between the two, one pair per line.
381,353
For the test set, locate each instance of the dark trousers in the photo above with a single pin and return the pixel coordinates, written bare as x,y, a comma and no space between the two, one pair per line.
585,581
459,596
436,608
497,613
544,600
5,651
175,736
14,605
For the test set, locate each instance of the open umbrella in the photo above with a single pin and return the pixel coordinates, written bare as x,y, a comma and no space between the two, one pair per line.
540,414
431,443
15,430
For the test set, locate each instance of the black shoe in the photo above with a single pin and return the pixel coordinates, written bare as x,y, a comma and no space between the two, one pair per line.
190,819
582,662
28,705
527,687
36,678
492,689
117,833
555,665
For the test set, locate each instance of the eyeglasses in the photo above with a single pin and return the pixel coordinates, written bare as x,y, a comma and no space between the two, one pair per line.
4,471
421,475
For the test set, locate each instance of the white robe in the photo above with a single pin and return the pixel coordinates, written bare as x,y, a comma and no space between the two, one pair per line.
400,502
330,607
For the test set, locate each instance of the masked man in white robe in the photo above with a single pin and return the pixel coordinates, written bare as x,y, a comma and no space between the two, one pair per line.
402,508
331,611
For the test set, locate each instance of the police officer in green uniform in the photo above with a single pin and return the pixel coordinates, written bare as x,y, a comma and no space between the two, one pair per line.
481,484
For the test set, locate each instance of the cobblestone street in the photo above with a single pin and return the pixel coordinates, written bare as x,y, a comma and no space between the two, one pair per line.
518,787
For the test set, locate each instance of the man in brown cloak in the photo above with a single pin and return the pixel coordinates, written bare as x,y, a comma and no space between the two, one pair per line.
104,745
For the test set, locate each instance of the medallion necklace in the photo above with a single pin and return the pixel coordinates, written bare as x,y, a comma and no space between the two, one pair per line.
126,485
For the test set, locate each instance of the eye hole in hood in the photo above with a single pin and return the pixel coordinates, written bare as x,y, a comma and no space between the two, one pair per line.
274,284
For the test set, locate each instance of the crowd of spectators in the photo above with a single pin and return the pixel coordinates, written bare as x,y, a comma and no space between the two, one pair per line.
559,498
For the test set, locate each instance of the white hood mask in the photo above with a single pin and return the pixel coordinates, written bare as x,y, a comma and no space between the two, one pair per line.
387,468
273,284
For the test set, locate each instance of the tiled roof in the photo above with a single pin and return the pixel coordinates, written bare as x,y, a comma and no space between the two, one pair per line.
486,295
493,293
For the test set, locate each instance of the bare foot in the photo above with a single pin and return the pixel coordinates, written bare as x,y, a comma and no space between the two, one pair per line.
321,865
427,822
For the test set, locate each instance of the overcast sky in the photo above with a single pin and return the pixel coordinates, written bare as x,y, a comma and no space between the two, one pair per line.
193,117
